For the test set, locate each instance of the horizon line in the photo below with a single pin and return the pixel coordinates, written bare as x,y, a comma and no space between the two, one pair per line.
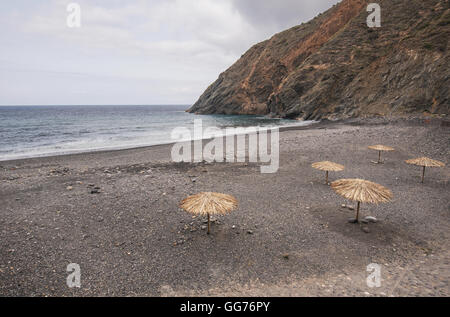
73,105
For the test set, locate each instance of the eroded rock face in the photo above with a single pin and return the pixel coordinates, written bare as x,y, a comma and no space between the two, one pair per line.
336,67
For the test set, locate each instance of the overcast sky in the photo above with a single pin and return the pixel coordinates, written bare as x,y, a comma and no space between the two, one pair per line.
133,51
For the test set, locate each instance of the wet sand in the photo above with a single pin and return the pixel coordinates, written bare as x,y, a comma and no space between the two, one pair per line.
289,236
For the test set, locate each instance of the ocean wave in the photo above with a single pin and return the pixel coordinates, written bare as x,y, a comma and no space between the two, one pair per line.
107,129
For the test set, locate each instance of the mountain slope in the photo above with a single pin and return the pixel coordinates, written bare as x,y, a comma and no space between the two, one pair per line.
335,66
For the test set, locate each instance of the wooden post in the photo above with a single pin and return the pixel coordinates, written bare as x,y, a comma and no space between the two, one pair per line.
357,212
208,224
423,173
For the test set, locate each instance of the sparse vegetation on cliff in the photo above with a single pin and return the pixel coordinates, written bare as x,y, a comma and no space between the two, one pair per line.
336,67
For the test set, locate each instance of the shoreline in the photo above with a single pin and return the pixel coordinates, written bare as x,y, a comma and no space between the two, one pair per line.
315,125
119,149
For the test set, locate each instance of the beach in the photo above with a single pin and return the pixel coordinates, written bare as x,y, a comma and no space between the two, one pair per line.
116,214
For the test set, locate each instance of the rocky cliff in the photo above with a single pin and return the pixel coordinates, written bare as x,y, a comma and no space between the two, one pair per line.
335,66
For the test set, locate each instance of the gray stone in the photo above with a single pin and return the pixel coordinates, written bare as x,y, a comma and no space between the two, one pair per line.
371,219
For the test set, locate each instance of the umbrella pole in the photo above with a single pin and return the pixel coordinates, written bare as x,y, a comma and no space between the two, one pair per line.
423,173
326,177
379,156
208,224
357,212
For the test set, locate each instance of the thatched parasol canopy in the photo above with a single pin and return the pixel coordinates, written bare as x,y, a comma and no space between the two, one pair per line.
328,167
362,191
380,148
208,203
425,162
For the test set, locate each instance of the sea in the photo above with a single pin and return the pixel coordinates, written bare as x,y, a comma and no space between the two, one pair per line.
35,131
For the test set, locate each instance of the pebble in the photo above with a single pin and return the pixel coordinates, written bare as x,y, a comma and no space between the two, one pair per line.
249,232
69,187
371,219
365,229
203,227
352,220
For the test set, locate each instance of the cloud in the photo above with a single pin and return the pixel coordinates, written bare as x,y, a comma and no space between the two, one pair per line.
161,51
270,15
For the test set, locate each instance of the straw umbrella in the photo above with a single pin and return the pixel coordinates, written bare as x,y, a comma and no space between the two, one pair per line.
380,148
425,162
207,203
328,166
361,191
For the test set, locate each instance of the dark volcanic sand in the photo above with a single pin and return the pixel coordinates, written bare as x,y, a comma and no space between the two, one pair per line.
131,238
